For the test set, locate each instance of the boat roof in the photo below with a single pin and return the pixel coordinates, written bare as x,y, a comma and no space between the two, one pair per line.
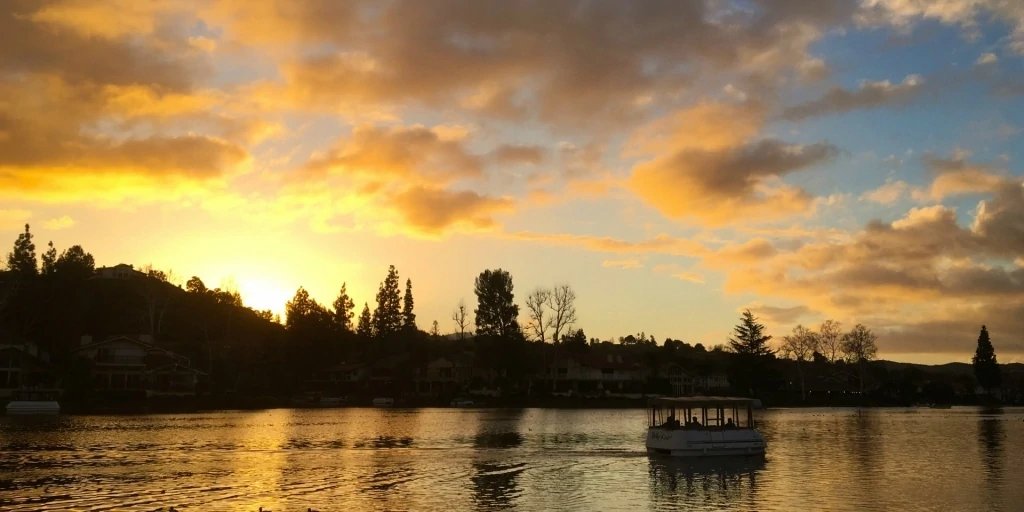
701,401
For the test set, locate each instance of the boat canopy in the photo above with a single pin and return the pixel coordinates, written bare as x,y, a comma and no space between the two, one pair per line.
701,401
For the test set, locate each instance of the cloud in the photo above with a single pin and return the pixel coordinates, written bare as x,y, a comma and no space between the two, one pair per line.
623,264
956,176
13,219
678,272
660,244
782,315
609,61
986,58
869,94
967,14
507,154
724,186
889,193
433,211
904,275
380,155
58,223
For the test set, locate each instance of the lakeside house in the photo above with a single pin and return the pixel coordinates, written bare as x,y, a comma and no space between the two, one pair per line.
137,364
23,366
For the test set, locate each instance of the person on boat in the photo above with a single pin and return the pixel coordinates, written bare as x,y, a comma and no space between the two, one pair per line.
694,422
730,424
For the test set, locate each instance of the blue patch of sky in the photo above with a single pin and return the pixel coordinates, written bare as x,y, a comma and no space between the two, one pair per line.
955,116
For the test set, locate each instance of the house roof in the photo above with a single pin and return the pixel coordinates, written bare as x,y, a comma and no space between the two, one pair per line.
120,338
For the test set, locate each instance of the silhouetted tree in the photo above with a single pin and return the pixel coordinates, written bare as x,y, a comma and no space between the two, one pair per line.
387,318
365,325
496,312
460,317
49,259
536,306
195,285
859,348
435,330
563,310
22,260
830,336
74,263
303,309
344,310
752,360
408,316
800,346
576,342
750,338
986,368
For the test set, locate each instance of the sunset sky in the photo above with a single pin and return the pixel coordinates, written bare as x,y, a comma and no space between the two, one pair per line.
674,161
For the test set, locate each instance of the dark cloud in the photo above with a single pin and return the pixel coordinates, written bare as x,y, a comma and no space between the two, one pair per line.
870,94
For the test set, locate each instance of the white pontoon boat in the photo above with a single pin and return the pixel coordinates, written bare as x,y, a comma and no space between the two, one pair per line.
34,401
703,426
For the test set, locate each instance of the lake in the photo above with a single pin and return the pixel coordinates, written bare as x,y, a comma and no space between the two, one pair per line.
962,459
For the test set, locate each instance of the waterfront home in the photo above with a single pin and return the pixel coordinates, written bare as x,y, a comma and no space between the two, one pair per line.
444,375
137,364
23,366
343,378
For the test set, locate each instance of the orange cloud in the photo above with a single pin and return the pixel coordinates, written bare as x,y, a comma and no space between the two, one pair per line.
679,273
432,211
62,222
623,264
661,244
379,154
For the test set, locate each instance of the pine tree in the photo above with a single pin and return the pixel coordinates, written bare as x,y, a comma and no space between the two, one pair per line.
387,318
408,317
49,259
22,260
365,326
986,368
750,338
344,310
435,330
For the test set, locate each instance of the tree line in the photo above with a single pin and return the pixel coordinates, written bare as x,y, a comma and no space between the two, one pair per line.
246,349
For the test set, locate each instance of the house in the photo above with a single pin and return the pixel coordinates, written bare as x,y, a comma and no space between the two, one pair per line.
119,271
443,375
594,373
23,365
123,363
342,378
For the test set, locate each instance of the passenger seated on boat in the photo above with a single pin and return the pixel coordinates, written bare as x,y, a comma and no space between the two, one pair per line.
730,424
671,422
694,422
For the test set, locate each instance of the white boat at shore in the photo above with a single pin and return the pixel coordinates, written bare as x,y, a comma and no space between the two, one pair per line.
711,426
33,401
383,402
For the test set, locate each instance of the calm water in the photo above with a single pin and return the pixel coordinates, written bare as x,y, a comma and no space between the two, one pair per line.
449,459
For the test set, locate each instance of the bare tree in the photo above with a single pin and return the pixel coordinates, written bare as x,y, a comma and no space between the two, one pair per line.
536,304
461,318
830,337
563,310
859,348
800,346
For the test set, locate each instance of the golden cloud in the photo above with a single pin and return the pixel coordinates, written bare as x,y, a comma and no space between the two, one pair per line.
58,223
433,211
623,264
419,154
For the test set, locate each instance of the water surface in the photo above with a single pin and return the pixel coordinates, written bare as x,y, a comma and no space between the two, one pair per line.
963,459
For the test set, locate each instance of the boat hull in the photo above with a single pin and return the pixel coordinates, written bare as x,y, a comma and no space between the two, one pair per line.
705,442
33,407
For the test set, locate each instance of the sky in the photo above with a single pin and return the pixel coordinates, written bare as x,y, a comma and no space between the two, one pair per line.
674,162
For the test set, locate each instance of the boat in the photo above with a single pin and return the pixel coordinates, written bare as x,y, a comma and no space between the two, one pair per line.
34,401
462,402
710,426
383,402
